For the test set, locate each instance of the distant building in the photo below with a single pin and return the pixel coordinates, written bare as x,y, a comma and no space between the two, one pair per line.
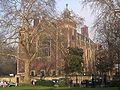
52,45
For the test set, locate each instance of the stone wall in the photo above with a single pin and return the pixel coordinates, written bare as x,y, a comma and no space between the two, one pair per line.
8,78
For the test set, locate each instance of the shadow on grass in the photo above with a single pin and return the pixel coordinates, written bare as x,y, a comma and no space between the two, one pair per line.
110,88
63,89
29,89
49,89
54,88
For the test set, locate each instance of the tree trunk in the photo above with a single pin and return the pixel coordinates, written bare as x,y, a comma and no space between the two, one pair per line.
76,79
27,72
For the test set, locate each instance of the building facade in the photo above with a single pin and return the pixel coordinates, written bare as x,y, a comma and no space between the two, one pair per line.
52,45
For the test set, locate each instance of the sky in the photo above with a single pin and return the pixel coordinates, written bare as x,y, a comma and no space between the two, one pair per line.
77,7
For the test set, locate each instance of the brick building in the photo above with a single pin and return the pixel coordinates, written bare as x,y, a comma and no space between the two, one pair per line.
52,45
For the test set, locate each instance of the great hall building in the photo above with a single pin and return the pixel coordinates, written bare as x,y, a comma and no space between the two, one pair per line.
53,43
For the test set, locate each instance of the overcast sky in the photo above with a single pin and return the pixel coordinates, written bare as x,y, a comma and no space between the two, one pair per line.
77,7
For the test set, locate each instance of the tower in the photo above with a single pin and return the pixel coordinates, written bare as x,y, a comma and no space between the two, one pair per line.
68,27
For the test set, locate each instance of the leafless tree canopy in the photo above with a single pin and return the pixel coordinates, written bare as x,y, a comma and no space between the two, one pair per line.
17,14
108,16
107,24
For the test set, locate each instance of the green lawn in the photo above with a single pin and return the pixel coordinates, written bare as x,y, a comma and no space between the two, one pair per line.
53,88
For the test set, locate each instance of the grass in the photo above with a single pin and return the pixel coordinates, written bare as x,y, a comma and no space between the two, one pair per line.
54,88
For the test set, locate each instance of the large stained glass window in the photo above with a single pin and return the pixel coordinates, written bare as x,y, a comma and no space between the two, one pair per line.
45,46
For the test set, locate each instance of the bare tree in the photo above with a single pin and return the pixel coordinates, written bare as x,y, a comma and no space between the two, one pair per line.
104,61
107,24
23,22
17,17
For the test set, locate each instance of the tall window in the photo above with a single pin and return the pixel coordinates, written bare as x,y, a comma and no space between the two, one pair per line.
45,47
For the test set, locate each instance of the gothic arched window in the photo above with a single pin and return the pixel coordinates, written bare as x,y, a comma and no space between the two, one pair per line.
45,46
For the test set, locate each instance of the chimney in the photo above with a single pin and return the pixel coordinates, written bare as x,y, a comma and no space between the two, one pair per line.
84,31
36,21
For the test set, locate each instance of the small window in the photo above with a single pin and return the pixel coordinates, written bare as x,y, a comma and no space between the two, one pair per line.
53,73
73,37
42,73
32,73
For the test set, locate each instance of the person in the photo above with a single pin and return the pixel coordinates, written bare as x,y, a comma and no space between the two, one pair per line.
71,82
100,82
33,82
93,82
4,84
105,79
